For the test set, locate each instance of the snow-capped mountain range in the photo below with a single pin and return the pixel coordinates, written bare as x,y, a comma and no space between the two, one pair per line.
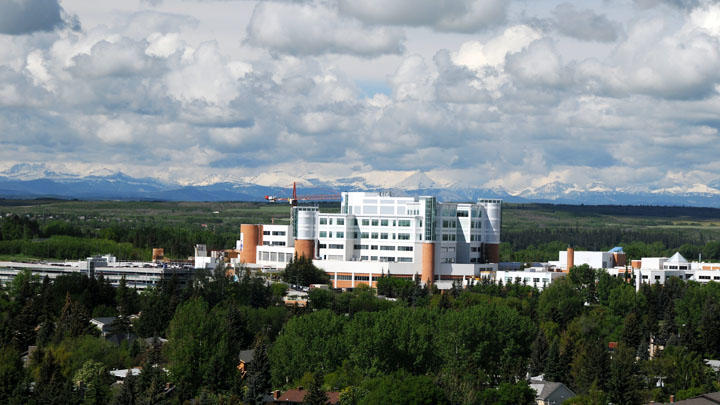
37,180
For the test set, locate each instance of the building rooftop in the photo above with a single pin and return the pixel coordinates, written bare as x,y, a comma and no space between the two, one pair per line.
677,258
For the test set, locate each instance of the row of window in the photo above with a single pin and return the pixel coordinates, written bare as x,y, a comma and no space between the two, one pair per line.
526,279
326,234
331,246
273,243
368,222
366,235
274,233
329,221
376,247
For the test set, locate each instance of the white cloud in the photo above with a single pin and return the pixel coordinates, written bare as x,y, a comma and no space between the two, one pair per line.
584,24
444,15
313,29
510,105
19,17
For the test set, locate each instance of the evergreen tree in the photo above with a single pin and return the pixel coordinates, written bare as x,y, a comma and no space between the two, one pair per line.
539,355
315,394
632,331
556,369
51,387
590,365
152,379
624,382
258,374
73,321
128,392
710,327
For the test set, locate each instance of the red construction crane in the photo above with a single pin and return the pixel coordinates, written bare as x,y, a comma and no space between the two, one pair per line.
295,198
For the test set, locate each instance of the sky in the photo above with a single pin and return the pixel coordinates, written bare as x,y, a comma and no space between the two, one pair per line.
511,95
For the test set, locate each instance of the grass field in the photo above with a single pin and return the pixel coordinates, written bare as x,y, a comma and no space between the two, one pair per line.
232,214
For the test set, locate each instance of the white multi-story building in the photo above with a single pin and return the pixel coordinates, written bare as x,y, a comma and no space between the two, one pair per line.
376,234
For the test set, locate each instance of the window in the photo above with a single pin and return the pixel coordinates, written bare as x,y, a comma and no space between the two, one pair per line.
704,277
404,259
335,246
363,257
339,234
278,233
355,221
323,221
387,247
329,234
356,235
266,232
374,222
383,222
364,235
366,222
448,237
404,222
374,235
383,236
358,247
323,234
362,278
344,277
405,248
657,277
322,245
404,236
373,247
536,280
387,259
462,213
341,221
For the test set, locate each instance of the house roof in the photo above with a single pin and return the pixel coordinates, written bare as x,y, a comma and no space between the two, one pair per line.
712,398
246,355
677,258
106,320
297,396
545,388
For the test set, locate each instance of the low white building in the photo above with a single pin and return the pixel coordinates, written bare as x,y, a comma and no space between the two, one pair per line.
660,269
538,277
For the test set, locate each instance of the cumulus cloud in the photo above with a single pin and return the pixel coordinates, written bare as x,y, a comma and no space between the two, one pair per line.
444,15
312,29
682,63
19,17
584,24
512,107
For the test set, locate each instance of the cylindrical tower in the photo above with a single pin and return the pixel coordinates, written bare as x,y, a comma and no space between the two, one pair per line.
428,263
620,258
492,223
305,236
492,252
570,257
158,254
251,236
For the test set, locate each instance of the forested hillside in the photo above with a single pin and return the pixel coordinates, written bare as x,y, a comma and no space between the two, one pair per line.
466,346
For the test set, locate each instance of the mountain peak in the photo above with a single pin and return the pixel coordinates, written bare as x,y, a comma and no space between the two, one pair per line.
416,181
